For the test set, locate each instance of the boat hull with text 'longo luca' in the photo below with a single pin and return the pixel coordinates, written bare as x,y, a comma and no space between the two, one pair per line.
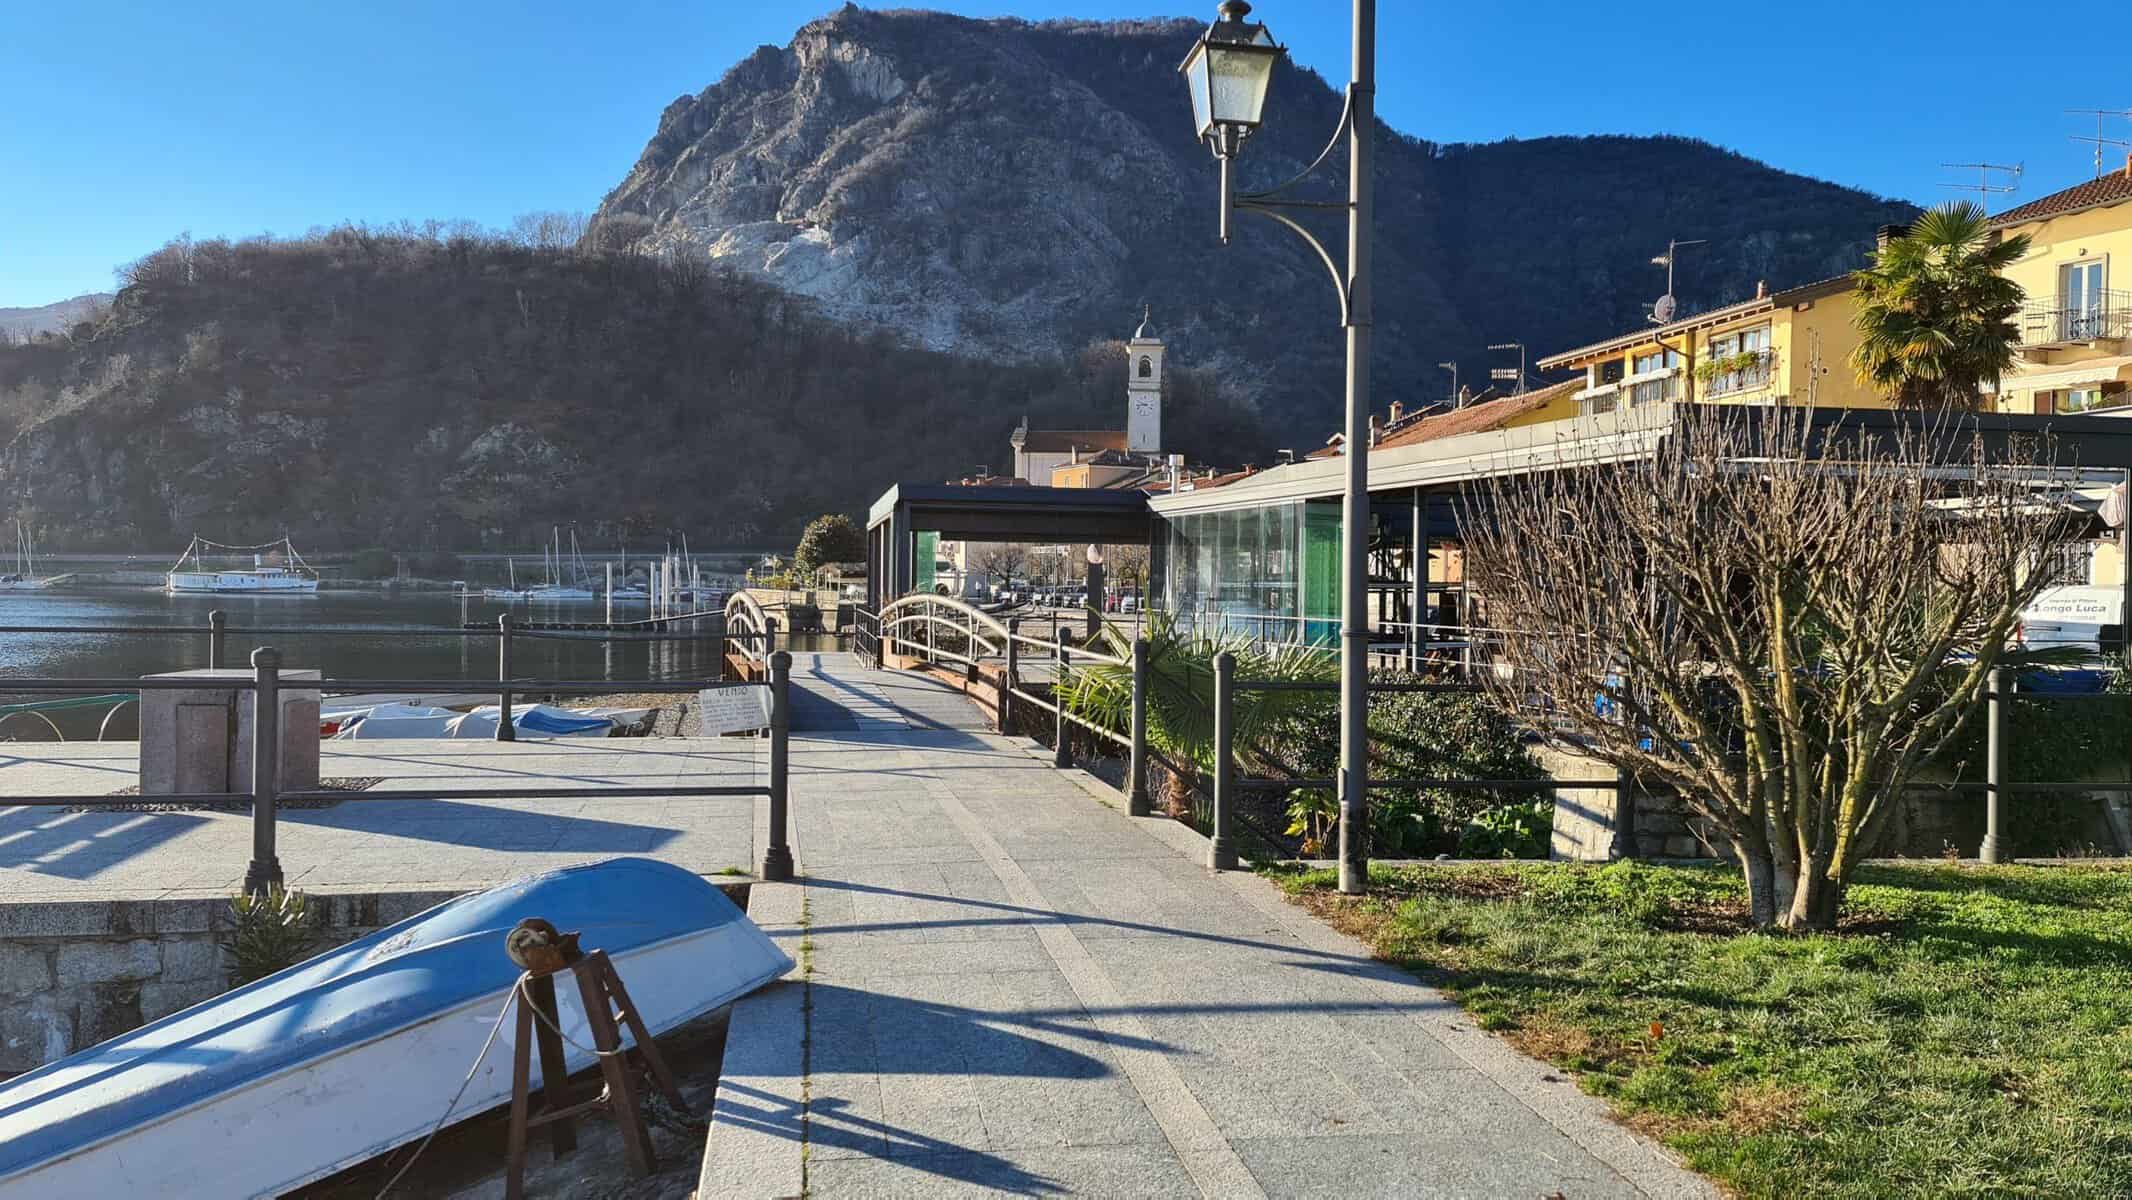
339,1059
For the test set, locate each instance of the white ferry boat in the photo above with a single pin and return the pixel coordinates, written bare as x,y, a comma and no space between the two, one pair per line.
287,575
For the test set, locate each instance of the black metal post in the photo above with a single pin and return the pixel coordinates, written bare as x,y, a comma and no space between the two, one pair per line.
777,859
1136,799
215,638
1420,640
2124,581
504,730
1221,855
265,869
1624,815
717,620
1994,764
1011,679
1061,752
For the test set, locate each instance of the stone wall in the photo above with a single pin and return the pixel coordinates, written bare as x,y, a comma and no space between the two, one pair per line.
1924,824
73,973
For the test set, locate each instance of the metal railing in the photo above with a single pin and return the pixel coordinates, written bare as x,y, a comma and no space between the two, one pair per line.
1758,375
945,627
2052,321
265,792
1221,851
507,630
751,629
1998,700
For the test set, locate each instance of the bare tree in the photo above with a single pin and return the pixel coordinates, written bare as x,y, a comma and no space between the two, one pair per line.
1003,561
1128,564
547,230
1048,564
1782,624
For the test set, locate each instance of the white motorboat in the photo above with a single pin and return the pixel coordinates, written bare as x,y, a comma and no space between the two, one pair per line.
362,1049
276,570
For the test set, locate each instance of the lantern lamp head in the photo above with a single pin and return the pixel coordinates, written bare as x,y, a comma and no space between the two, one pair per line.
1227,72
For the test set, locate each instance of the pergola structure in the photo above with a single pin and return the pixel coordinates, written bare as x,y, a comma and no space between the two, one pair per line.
991,514
1259,555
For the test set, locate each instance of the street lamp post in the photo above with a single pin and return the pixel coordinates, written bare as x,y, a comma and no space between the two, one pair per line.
1227,73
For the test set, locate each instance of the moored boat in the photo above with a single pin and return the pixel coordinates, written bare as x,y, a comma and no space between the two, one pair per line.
361,1049
276,570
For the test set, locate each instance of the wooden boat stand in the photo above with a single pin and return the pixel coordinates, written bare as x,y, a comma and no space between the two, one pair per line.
600,990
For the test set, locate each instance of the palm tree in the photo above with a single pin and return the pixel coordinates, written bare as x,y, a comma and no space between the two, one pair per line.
1935,310
1180,709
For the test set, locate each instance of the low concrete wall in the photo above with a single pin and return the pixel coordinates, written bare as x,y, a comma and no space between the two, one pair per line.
74,973
1926,822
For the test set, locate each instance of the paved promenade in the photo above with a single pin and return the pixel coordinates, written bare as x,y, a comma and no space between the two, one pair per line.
1007,986
373,841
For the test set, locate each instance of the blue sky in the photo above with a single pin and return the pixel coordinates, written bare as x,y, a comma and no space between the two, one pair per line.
129,122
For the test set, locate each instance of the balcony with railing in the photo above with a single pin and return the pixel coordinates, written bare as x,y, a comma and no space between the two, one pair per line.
2052,322
1732,374
1653,387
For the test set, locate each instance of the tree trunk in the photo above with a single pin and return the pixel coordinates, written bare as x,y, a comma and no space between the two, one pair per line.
1816,896
1759,868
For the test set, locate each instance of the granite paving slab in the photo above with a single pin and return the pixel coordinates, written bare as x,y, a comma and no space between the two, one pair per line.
1012,987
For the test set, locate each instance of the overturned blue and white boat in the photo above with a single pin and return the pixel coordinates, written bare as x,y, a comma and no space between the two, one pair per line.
361,1049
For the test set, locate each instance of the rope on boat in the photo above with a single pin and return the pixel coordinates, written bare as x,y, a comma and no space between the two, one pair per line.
518,995
552,1028
456,1096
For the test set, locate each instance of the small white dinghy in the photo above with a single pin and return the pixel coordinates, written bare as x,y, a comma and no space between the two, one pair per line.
361,1049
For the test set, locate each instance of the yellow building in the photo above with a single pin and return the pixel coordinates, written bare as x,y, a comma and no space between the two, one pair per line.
2075,327
1790,345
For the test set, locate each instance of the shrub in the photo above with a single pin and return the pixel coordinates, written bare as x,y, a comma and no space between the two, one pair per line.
1413,735
374,563
436,564
268,932
1520,830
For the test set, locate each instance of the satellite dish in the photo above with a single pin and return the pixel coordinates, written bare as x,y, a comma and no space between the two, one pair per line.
1662,311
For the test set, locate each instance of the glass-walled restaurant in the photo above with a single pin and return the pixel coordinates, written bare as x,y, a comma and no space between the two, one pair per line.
1271,571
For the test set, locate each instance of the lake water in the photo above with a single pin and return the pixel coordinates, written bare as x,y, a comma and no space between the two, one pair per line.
390,652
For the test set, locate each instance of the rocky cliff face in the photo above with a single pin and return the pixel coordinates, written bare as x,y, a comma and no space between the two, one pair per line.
1014,188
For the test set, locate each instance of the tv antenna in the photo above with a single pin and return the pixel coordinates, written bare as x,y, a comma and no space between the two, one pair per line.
2100,114
1508,373
1985,187
1666,306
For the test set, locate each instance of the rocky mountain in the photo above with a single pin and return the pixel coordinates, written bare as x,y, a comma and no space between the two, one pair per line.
1015,188
856,259
23,323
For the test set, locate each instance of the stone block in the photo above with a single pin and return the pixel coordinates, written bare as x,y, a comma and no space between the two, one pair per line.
191,916
191,958
199,739
108,1011
55,918
160,999
34,1034
107,962
24,970
394,907
1682,846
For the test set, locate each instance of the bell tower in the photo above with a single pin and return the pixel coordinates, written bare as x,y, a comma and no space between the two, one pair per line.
1143,390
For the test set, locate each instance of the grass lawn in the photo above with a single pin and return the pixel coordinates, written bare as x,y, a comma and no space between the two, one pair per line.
1968,1032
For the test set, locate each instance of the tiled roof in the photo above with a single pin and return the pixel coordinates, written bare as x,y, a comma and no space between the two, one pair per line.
1754,306
1062,441
1477,418
2114,188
